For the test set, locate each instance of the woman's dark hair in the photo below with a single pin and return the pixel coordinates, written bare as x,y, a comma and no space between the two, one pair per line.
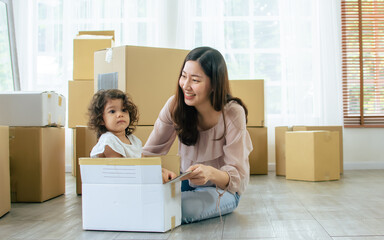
96,110
184,116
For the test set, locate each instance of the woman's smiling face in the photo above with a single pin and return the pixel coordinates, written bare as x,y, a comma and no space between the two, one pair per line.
195,84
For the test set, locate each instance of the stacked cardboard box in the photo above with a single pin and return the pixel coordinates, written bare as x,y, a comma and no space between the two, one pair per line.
80,90
280,148
37,160
138,202
5,191
42,108
149,75
251,92
36,144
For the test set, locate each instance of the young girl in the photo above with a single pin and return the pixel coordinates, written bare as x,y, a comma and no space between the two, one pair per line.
114,117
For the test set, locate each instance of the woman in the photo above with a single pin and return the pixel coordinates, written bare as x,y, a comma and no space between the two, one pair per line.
214,142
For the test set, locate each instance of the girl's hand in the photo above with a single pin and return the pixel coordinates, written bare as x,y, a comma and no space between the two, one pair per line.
200,174
167,175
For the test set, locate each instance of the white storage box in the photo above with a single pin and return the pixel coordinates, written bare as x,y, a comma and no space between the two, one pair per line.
37,109
128,194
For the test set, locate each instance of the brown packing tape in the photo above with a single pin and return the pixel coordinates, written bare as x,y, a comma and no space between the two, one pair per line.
173,222
120,161
173,190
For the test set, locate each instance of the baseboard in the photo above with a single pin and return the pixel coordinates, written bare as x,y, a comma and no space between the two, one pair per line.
347,166
363,165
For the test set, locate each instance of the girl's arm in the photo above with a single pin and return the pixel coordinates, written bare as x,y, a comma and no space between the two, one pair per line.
109,153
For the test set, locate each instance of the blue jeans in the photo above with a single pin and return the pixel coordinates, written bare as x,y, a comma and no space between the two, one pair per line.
200,203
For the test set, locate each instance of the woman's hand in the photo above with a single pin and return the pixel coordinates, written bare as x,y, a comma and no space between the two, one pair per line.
200,174
167,175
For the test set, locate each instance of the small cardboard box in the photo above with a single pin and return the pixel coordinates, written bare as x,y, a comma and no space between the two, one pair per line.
5,191
85,139
80,94
312,155
37,160
143,132
258,158
150,75
280,149
84,46
327,128
32,109
128,194
251,92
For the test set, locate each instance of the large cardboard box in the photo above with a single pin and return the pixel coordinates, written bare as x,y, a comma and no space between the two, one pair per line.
32,109
280,149
251,92
143,132
258,158
85,139
131,193
327,128
37,160
150,75
80,94
5,191
312,155
84,46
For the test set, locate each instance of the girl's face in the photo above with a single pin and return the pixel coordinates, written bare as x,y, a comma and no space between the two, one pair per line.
196,85
116,117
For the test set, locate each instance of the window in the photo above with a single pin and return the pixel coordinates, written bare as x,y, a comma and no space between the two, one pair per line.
363,62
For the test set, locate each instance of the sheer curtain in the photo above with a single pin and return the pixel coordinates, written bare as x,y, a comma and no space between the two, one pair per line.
293,44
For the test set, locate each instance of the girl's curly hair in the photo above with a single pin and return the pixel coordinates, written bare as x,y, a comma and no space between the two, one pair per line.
96,110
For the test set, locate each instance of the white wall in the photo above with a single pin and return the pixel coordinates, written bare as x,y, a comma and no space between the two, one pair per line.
363,148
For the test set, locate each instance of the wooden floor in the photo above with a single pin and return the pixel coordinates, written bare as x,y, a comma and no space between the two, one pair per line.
271,208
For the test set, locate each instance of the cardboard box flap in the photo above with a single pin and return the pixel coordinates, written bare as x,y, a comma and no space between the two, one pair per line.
98,33
126,170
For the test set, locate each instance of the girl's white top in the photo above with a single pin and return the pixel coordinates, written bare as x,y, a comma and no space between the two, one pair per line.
132,150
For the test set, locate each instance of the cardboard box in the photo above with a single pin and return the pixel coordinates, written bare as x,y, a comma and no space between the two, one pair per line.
149,75
312,155
280,149
251,92
143,132
131,193
258,158
80,94
37,160
32,109
327,128
84,46
5,191
85,140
